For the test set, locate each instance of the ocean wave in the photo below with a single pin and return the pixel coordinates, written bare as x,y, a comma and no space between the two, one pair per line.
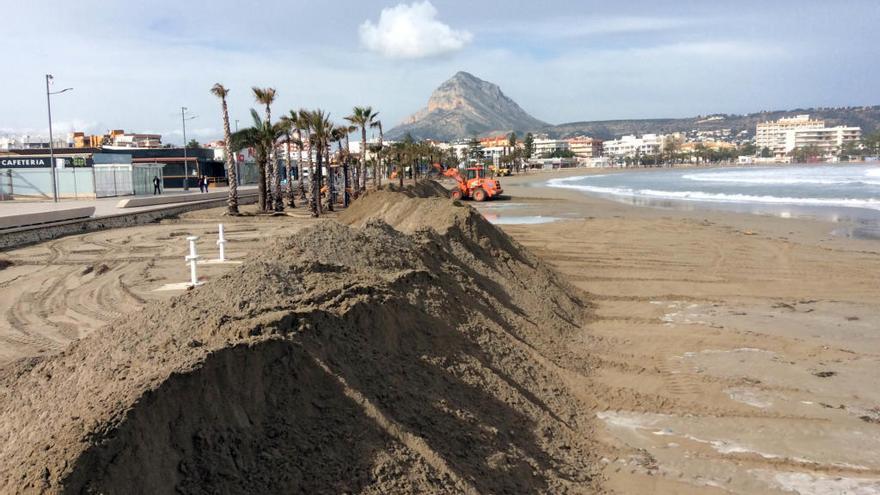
702,196
782,181
815,176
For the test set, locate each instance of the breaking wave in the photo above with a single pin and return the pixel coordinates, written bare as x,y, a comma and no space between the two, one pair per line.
703,196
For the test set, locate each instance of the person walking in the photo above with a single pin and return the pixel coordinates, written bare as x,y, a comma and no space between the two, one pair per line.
156,184
205,183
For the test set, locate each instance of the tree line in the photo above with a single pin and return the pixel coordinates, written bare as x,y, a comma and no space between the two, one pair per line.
312,133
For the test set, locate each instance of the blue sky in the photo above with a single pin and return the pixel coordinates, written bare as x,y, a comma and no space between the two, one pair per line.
133,65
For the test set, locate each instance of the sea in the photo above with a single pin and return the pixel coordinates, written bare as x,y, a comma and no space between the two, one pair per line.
846,194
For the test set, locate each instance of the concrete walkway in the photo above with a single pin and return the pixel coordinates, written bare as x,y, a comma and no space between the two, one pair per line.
104,206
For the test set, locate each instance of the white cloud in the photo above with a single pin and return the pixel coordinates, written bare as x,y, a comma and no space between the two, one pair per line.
412,31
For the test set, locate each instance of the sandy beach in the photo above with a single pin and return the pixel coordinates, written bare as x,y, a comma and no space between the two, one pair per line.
739,351
727,353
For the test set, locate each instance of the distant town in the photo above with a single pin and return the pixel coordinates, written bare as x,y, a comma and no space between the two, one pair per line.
797,139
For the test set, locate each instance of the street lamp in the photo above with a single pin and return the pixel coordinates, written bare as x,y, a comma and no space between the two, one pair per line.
184,118
51,144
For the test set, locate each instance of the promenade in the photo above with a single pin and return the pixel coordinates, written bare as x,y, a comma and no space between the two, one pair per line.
108,206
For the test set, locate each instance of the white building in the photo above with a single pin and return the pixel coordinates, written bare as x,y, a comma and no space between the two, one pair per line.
545,147
769,134
629,146
790,133
28,142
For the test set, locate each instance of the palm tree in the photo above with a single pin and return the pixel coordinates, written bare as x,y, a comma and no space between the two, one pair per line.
379,171
303,122
320,132
261,137
292,120
266,96
362,117
346,169
232,203
289,127
340,133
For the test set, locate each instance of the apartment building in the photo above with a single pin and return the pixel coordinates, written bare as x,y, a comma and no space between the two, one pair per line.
585,147
629,146
544,147
790,133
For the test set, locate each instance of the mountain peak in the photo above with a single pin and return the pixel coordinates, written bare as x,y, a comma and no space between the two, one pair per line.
465,105
465,76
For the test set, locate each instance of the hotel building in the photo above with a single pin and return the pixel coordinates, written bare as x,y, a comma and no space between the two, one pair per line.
629,146
545,147
790,133
585,147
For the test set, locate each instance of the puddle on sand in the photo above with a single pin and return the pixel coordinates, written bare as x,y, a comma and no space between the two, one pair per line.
710,451
519,220
816,484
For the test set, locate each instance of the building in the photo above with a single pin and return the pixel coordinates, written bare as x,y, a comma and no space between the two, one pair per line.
787,134
27,142
585,147
79,173
197,162
115,139
827,141
495,141
693,146
769,134
544,147
630,146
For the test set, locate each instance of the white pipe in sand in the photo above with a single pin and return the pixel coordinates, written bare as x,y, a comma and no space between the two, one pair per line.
193,259
222,243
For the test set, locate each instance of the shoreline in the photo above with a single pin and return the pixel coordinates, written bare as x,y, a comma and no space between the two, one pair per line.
736,348
531,188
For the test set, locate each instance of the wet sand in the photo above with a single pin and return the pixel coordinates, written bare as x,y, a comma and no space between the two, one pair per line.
740,353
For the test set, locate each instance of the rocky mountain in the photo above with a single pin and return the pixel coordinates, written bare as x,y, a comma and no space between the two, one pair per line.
465,106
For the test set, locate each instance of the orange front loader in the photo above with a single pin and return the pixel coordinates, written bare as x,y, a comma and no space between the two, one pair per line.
475,186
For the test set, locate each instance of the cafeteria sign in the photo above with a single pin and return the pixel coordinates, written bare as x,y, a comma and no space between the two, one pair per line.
41,162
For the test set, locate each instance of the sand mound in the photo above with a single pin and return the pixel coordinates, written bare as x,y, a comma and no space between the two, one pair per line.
411,352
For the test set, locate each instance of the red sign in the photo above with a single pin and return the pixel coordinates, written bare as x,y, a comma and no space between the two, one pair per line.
240,157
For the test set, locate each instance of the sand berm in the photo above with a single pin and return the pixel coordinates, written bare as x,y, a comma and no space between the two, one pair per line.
410,347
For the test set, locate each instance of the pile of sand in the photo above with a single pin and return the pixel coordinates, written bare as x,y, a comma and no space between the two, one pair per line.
415,350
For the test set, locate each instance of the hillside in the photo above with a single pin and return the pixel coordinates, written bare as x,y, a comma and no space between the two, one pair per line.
868,118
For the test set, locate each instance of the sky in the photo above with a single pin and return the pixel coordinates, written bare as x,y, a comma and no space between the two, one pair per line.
133,65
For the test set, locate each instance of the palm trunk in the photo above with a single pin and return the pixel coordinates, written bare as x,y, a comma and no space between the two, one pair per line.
346,178
299,167
400,170
379,164
261,185
316,183
330,191
232,201
311,165
289,171
317,175
363,177
269,175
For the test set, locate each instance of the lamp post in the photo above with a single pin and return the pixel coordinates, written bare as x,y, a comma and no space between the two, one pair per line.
183,119
51,144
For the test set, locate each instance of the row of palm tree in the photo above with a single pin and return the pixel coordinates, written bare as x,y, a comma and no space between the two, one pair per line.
311,133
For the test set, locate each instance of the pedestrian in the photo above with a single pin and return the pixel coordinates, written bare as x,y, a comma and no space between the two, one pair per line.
156,183
205,183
